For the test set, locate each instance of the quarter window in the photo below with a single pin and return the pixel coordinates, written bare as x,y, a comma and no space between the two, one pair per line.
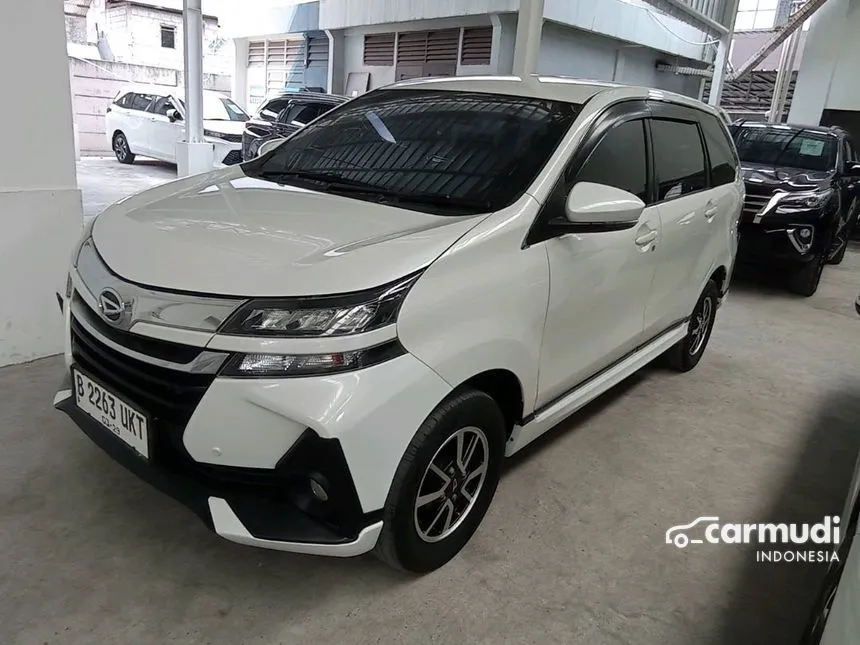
720,150
125,100
271,109
619,160
678,157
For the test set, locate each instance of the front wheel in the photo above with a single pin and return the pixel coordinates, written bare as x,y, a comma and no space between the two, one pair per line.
685,355
804,281
444,483
121,150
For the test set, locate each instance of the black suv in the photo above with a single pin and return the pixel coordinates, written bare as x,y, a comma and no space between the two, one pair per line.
801,198
279,116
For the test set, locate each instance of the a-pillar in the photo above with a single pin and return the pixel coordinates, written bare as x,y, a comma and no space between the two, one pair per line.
40,204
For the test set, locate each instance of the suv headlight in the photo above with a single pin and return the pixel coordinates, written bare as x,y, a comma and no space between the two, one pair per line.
323,316
793,202
215,135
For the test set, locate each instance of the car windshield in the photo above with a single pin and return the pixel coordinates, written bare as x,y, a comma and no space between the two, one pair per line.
438,151
220,108
790,147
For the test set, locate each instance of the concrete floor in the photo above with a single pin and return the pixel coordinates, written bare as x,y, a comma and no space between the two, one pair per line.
572,550
103,180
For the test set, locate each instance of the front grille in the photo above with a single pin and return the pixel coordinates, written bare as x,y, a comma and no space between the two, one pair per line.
753,204
232,138
164,394
164,350
233,157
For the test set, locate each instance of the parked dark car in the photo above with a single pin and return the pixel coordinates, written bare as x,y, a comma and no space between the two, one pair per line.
801,198
279,116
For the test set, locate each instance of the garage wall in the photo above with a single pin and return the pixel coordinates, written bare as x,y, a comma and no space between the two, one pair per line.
572,52
95,83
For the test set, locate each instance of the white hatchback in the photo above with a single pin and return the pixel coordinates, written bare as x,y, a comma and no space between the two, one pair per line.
331,348
149,121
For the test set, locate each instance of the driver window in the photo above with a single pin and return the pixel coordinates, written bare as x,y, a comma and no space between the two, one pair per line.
162,106
619,160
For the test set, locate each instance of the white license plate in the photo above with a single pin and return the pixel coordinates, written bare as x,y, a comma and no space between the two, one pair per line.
112,412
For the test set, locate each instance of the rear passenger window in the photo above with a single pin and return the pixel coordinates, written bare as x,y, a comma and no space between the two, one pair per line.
678,158
124,100
619,160
720,150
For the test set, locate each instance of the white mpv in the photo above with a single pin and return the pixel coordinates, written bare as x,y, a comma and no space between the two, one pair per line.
148,120
331,348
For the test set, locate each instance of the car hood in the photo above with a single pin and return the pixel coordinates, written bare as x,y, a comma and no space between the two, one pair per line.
226,127
784,177
229,234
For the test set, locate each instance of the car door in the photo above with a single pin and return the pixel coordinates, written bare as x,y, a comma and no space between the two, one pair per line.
136,123
599,281
162,132
686,210
849,197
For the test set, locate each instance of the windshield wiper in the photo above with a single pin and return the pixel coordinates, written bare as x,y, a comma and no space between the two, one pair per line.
338,184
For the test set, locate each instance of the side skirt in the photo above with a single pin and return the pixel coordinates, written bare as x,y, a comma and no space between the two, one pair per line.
549,416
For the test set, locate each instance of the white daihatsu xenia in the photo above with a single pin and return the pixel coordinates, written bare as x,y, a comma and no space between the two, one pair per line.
330,349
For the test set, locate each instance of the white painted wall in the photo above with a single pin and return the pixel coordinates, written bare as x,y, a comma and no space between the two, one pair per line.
338,14
828,71
40,205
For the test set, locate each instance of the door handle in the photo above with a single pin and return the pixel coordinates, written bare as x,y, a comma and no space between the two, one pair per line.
646,238
710,211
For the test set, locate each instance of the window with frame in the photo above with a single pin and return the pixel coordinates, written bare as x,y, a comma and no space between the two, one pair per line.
679,159
720,151
756,14
141,101
270,110
620,160
378,49
168,37
125,100
162,106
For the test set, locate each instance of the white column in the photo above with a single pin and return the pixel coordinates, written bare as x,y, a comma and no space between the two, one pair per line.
239,82
193,155
527,46
40,204
722,58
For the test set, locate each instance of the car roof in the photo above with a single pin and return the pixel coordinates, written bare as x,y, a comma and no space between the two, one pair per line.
161,90
557,88
307,97
793,127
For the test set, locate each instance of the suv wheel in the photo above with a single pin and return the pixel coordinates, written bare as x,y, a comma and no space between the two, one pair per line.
685,355
804,281
444,483
121,150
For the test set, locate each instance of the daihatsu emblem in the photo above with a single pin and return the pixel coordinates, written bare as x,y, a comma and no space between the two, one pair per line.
111,306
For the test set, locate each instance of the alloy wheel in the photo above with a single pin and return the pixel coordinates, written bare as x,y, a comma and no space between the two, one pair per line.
120,147
699,325
451,484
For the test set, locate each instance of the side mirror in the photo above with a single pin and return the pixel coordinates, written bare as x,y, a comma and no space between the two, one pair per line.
267,146
174,115
601,207
852,169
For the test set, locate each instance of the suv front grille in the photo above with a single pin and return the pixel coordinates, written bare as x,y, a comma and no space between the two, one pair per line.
753,204
164,394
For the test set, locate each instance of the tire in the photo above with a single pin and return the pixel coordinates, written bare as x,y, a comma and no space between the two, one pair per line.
804,281
121,150
421,538
837,257
685,354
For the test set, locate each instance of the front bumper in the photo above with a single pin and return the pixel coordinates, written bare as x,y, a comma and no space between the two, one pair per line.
226,153
240,453
770,243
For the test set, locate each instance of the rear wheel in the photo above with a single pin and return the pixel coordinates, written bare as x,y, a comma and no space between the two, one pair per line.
685,355
121,150
444,483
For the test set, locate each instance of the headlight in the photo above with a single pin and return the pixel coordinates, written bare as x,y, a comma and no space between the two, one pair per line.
213,134
85,237
321,316
294,365
792,203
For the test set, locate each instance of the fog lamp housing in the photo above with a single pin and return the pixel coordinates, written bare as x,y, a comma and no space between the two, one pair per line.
801,237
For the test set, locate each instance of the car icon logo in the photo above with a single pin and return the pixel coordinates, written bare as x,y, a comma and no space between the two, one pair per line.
111,306
677,535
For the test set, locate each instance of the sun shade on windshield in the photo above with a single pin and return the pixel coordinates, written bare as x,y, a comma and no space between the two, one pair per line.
481,148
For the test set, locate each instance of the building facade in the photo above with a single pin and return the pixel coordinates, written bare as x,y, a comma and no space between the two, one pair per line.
358,46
